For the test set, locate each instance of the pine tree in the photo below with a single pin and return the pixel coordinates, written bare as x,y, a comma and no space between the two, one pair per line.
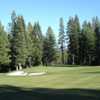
73,31
18,42
12,35
29,44
4,49
82,45
49,47
37,44
89,49
96,27
21,40
77,32
61,40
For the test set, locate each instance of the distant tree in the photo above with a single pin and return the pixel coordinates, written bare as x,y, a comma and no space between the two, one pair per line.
61,39
89,48
18,42
4,49
29,44
82,45
77,31
49,47
73,31
12,35
21,40
96,27
37,44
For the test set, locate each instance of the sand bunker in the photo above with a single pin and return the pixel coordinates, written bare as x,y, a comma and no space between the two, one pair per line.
17,73
22,73
32,74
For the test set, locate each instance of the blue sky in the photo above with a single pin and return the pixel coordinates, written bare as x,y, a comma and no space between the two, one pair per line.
48,12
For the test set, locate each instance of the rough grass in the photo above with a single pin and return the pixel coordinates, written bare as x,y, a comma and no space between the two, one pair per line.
60,83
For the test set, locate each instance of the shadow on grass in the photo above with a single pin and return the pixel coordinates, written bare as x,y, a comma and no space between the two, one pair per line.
95,72
64,65
69,65
16,93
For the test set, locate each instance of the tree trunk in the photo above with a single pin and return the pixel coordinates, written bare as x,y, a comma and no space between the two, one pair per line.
20,67
84,62
73,59
17,68
62,56
89,60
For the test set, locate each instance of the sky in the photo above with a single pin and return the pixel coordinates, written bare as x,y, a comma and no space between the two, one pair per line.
48,12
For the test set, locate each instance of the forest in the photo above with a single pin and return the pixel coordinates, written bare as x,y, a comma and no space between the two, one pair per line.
26,45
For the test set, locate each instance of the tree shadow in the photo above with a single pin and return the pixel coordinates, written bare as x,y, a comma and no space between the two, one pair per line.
94,72
64,65
17,93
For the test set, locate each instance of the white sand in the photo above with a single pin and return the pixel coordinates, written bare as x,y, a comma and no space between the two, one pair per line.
17,73
33,74
22,73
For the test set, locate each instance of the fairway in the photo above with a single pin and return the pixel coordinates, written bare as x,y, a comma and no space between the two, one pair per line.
59,83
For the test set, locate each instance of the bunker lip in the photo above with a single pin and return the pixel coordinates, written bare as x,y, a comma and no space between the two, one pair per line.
22,73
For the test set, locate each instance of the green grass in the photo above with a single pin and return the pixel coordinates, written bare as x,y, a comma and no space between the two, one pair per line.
59,83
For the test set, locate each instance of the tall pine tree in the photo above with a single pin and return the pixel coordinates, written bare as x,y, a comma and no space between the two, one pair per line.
49,47
4,49
36,37
73,32
89,48
96,27
61,40
18,41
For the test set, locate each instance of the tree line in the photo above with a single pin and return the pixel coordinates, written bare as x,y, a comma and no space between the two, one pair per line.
26,46
83,41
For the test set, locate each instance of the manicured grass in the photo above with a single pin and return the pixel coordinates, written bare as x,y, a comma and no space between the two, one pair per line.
59,83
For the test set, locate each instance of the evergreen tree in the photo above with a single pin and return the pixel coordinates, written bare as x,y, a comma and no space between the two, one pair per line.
18,42
49,49
82,45
4,49
61,40
73,32
12,39
29,44
89,48
77,31
21,40
37,44
96,27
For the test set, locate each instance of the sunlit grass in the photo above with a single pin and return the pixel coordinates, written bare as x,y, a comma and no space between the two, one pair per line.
56,77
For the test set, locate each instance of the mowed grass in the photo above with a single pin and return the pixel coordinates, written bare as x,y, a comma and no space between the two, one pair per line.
56,77
72,83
